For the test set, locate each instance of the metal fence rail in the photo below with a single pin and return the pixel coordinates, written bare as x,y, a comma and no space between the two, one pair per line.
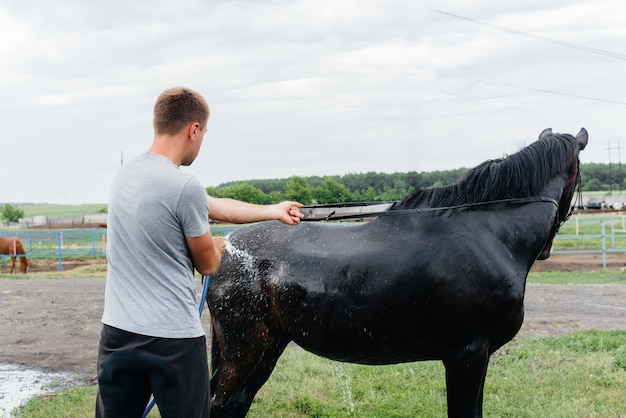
602,250
605,242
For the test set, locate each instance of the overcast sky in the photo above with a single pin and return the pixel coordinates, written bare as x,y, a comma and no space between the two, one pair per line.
299,87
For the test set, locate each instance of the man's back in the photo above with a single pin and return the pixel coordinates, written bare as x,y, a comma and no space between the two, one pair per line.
150,284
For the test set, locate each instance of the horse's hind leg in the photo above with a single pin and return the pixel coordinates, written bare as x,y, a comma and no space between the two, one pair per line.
240,373
465,379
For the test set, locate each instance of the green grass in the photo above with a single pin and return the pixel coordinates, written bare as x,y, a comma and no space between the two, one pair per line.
77,402
582,374
567,277
61,211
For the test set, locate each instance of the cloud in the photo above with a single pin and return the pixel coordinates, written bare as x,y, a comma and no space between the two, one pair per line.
298,87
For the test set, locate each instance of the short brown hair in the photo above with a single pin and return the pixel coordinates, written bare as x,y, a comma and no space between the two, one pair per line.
177,107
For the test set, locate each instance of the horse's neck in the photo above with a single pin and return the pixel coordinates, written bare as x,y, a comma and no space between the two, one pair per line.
554,189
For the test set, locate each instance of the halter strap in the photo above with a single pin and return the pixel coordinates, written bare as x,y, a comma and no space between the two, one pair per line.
389,212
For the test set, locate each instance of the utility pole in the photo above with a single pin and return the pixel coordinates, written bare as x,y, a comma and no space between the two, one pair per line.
619,168
610,173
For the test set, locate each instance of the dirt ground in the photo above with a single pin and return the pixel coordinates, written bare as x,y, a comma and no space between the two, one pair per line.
54,324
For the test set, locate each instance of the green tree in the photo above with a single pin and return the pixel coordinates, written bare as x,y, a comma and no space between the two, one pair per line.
330,191
246,193
276,196
368,195
298,189
592,185
389,196
10,213
213,192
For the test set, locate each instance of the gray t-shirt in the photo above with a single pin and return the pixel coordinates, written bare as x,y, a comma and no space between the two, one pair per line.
150,287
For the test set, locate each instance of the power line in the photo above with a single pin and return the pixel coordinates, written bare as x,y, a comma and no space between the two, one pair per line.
558,93
538,37
554,92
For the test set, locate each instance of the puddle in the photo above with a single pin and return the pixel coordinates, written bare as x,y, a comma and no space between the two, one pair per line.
18,384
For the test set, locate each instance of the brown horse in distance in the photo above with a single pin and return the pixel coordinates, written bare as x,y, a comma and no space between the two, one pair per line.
14,248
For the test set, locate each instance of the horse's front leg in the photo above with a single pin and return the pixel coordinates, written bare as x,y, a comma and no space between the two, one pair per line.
12,265
465,379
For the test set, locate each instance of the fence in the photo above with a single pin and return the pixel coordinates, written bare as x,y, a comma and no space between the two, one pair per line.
604,250
73,243
590,235
61,243
91,242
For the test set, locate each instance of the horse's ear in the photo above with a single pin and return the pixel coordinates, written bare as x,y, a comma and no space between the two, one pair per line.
545,133
582,137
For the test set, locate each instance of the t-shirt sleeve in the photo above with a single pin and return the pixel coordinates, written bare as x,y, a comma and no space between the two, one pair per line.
194,209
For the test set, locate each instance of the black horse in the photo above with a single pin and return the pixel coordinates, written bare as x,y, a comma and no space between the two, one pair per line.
442,280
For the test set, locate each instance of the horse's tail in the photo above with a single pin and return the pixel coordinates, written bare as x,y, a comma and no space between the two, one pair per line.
19,249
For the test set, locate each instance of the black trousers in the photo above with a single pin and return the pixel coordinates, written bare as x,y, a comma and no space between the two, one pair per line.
131,367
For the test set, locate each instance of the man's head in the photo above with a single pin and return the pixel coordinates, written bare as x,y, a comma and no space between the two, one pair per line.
180,113
178,107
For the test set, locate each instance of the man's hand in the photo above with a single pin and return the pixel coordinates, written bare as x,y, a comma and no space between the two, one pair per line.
289,212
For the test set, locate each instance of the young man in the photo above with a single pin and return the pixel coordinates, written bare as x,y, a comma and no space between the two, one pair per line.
152,340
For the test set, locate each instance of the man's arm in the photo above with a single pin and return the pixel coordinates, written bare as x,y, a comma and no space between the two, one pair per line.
237,212
206,252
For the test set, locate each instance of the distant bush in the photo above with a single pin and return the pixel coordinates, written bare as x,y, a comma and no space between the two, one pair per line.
10,213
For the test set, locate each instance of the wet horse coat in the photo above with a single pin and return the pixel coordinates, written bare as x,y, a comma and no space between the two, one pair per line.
444,280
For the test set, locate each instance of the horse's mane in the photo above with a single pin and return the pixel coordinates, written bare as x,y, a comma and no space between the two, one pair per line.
521,174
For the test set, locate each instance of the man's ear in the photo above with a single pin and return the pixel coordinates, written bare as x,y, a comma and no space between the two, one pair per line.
194,130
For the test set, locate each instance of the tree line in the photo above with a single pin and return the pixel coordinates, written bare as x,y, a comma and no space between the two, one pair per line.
372,186
365,187
603,177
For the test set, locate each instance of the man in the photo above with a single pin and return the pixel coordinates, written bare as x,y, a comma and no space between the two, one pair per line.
152,340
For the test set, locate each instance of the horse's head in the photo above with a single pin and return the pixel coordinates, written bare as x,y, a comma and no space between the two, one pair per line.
23,265
572,180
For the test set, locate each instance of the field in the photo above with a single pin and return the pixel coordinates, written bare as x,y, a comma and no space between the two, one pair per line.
61,211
